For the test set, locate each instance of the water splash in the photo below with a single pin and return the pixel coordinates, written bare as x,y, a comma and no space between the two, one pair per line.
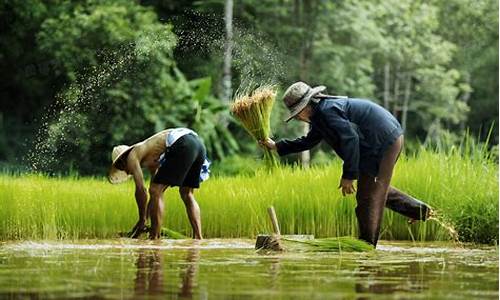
164,244
68,127
448,226
70,111
256,60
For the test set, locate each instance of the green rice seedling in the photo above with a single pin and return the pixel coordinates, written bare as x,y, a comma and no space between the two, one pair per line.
165,232
464,190
334,244
172,234
254,112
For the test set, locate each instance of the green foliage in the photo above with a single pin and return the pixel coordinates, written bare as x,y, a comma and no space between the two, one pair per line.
365,37
473,27
353,41
101,72
75,36
236,165
171,234
125,87
111,94
198,109
463,189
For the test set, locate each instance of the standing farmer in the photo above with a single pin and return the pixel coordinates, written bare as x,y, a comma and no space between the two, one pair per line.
367,138
174,157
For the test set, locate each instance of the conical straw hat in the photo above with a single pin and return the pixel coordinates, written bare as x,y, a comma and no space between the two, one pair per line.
116,175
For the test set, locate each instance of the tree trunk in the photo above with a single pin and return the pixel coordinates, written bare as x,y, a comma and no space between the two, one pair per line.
305,156
387,84
432,132
228,48
465,98
305,15
404,116
395,105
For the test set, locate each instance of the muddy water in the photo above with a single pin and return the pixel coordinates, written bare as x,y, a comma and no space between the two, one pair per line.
221,269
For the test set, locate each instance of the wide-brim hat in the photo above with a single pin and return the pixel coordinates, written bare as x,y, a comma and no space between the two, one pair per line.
116,175
298,95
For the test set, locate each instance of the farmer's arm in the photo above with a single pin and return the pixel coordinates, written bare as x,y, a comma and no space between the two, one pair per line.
141,196
348,142
306,142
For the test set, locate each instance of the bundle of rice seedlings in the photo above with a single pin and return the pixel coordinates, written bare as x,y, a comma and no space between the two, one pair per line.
335,244
253,110
164,232
171,234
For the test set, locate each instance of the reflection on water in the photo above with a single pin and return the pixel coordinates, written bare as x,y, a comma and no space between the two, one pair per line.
149,277
189,274
231,269
376,280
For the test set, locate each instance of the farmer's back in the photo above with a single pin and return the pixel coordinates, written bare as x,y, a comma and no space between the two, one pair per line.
375,125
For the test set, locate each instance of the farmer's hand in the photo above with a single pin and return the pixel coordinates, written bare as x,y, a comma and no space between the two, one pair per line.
430,213
268,143
138,229
347,186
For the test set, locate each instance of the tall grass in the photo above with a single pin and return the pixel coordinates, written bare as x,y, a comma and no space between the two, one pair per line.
463,189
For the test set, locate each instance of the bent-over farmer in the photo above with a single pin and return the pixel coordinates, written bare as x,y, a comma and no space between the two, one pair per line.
174,157
367,138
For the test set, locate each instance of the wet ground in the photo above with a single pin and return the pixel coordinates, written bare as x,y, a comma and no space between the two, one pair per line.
231,269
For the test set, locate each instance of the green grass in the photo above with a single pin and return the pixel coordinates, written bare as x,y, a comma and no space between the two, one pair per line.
463,189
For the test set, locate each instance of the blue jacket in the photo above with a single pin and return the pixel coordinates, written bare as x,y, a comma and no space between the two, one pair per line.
358,130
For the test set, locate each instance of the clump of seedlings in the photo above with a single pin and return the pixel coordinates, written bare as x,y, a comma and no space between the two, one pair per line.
334,244
253,110
277,242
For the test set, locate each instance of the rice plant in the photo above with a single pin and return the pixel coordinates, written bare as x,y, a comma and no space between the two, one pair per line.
253,110
335,244
463,190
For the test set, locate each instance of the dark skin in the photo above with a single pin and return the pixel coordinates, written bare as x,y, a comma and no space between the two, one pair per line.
346,185
146,154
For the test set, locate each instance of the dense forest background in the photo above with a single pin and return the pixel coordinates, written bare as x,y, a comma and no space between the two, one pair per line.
78,77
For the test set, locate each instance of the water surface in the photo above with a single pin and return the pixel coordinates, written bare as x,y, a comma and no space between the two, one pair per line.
222,269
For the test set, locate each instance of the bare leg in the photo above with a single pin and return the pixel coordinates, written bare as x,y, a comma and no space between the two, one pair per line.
155,208
192,209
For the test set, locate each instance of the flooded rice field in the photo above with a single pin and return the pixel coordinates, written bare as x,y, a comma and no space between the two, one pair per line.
222,269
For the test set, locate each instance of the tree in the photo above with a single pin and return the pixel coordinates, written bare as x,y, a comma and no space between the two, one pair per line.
116,63
391,51
124,86
473,27
29,78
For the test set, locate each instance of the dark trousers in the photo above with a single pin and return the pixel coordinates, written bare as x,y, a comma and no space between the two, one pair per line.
375,193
